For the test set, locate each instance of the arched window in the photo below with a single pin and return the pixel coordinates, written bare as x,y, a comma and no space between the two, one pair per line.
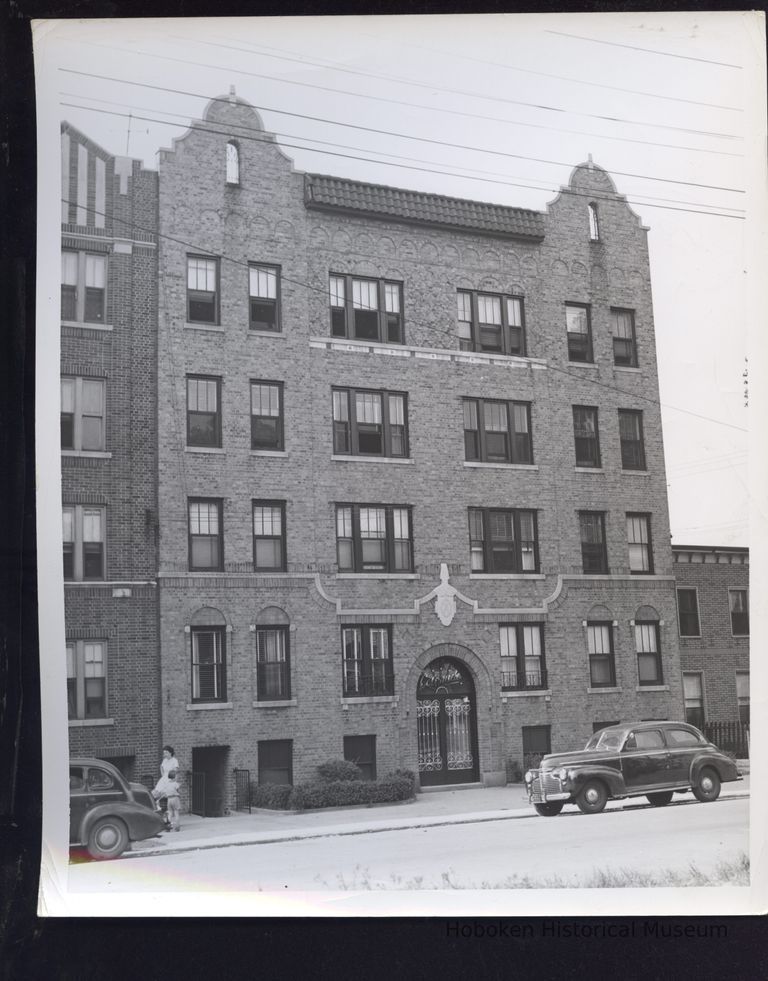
233,163
594,225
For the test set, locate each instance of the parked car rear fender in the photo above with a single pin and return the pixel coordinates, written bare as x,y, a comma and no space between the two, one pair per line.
612,779
140,821
722,765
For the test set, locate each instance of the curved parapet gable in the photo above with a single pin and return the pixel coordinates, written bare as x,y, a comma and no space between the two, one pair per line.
590,179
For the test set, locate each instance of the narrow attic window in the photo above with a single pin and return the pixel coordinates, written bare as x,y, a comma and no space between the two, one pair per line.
594,226
233,163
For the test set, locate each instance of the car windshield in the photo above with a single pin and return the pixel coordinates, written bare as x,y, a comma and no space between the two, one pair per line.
605,739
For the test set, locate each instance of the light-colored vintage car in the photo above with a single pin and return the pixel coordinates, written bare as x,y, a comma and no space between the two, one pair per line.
639,759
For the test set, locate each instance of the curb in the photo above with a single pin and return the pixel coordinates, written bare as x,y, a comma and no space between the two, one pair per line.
343,831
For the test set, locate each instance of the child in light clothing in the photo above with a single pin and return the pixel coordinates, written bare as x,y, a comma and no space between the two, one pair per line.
174,802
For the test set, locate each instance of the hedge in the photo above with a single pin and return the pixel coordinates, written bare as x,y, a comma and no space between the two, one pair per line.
274,795
334,793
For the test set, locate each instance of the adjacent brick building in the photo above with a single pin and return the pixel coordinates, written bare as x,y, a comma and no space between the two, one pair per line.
109,454
412,497
713,622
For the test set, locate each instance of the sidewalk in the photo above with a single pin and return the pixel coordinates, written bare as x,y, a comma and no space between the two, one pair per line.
431,809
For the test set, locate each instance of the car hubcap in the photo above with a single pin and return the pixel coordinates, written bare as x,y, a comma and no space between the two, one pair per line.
107,838
593,796
706,784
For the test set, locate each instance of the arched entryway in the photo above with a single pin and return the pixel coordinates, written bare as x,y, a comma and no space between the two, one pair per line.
447,724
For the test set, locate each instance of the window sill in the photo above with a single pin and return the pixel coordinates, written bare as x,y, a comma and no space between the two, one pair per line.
626,367
205,449
279,454
473,464
286,703
507,575
215,328
88,454
582,364
372,459
378,575
638,473
86,325
77,723
528,693
266,333
652,688
368,699
588,470
603,691
208,706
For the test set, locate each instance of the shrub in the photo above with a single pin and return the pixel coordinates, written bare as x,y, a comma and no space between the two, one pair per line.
274,795
343,793
336,770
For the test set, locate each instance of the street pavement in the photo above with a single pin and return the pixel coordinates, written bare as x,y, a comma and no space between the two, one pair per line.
428,809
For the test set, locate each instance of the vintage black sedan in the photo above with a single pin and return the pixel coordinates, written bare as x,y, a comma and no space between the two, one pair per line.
649,759
106,812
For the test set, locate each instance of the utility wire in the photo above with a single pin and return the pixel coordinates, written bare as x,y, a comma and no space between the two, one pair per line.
400,102
453,55
386,163
395,156
414,323
633,47
383,132
476,95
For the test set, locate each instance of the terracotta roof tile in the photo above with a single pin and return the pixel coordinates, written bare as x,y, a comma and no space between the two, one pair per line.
335,193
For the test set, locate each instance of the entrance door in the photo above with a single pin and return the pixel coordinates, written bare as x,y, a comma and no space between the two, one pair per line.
447,729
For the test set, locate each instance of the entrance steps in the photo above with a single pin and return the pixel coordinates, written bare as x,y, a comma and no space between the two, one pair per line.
443,788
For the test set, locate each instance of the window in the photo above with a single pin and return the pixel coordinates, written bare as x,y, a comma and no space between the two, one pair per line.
648,653
594,224
276,761
631,439
362,751
82,414
368,309
586,436
503,541
209,664
264,303
639,540
374,538
579,332
742,695
269,536
694,699
739,606
203,411
83,287
536,743
367,661
266,415
624,346
273,664
202,290
233,163
681,737
594,555
206,541
688,612
87,679
83,535
489,322
497,432
370,423
522,656
602,669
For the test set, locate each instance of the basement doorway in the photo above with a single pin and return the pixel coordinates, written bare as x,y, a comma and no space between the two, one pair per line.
209,780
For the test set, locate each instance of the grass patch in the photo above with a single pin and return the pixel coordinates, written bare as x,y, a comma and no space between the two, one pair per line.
728,873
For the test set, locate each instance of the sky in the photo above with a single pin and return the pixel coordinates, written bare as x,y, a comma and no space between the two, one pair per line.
501,108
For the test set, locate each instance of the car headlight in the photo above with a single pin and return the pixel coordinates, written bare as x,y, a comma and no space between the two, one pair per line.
528,776
562,774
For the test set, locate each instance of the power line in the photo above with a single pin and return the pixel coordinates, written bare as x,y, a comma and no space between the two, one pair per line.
386,163
453,55
471,170
400,102
381,132
633,47
414,323
475,95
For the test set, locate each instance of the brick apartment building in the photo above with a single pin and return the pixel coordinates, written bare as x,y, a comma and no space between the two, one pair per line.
108,454
412,497
713,622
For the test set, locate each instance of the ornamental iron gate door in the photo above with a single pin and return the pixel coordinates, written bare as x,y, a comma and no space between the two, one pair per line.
447,729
